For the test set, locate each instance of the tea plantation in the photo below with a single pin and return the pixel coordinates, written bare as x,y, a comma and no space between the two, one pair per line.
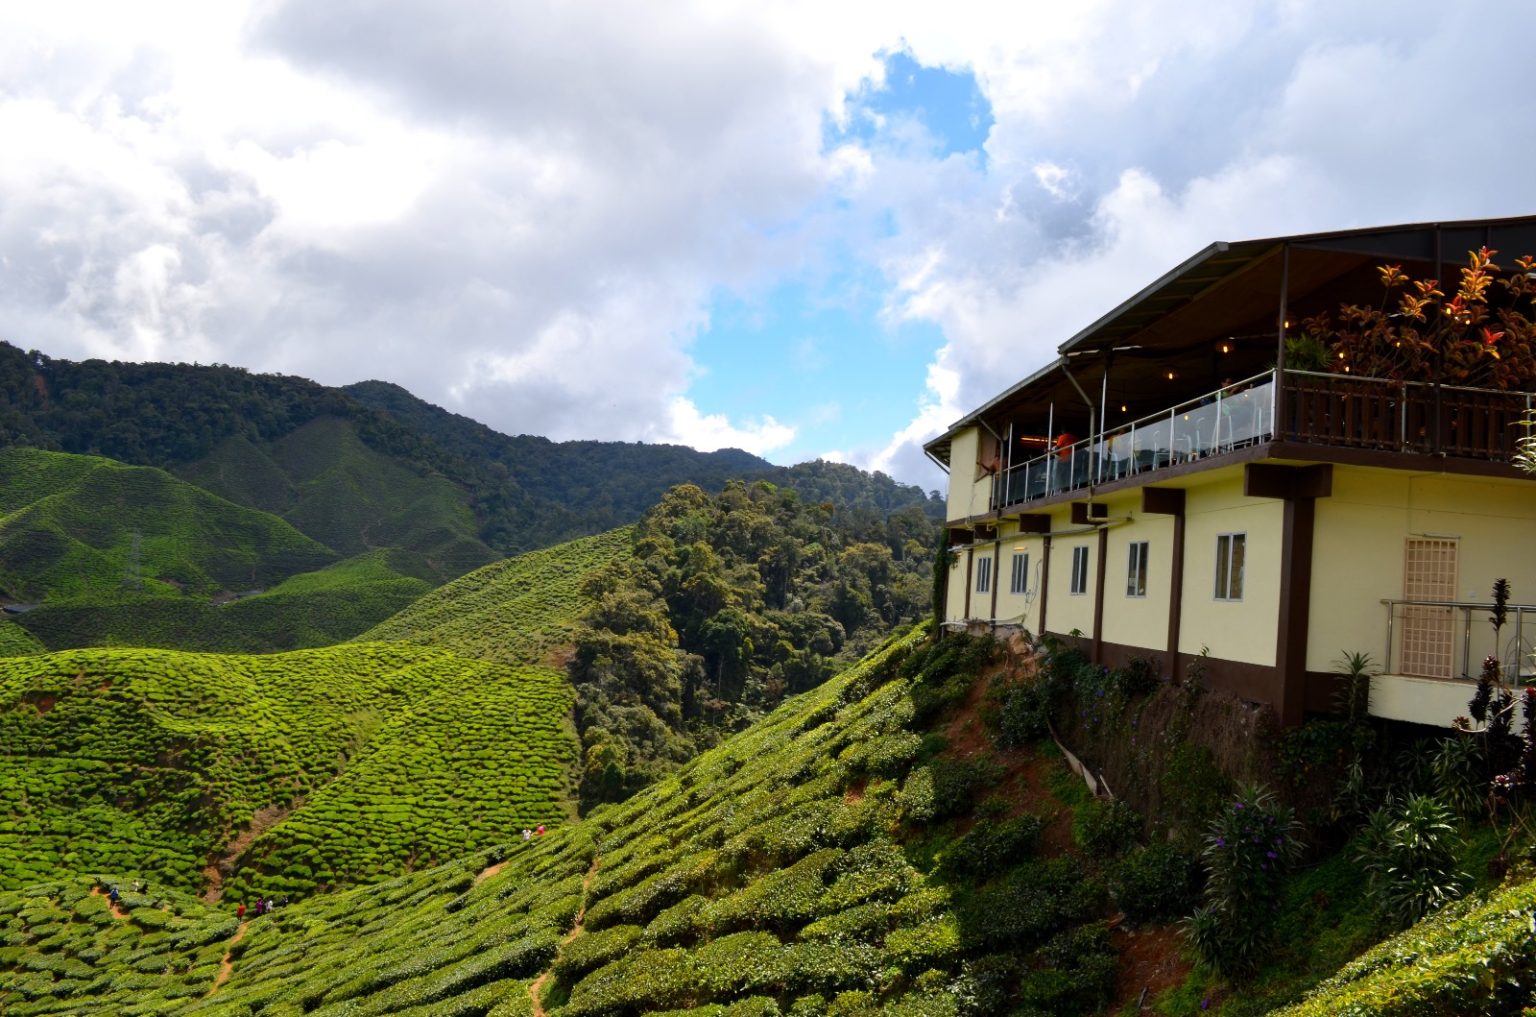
307,610
380,756
75,525
16,641
514,611
821,862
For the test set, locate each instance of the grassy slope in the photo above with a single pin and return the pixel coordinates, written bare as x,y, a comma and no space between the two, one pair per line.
68,525
761,879
514,611
388,756
322,479
16,641
308,610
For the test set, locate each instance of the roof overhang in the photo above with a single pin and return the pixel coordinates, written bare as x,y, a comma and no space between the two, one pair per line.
1232,298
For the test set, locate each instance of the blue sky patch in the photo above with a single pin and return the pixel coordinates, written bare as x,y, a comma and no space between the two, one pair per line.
946,104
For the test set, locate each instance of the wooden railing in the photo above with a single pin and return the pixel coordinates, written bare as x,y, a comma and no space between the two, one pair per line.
1397,416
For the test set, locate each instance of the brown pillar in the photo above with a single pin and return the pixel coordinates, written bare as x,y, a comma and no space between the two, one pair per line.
1045,583
1300,487
1295,608
1098,600
997,561
1170,501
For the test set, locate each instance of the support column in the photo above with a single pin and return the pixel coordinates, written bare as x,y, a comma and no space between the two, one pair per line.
1098,600
1170,501
1300,487
1045,583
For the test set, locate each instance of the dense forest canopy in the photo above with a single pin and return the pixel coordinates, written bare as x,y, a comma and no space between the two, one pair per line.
730,603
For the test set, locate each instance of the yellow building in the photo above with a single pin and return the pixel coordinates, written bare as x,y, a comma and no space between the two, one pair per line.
1170,487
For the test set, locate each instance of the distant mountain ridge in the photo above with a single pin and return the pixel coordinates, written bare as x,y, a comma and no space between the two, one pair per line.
371,466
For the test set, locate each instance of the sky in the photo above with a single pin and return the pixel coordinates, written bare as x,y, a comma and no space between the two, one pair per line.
801,229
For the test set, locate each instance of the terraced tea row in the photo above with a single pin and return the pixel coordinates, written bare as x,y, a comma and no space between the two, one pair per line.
765,878
149,762
514,611
755,877
74,525
308,610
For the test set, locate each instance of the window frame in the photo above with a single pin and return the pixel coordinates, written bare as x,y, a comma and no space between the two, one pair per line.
1136,569
1231,549
984,574
1079,581
1018,580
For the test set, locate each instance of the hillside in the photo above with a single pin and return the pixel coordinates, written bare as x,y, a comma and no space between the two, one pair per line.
352,763
290,445
859,852
80,525
371,465
311,609
516,611
325,481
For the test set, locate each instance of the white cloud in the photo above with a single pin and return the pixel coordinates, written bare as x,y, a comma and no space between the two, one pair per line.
710,431
523,211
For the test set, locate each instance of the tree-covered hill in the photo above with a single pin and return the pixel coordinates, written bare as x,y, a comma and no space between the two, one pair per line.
726,604
339,766
370,465
77,525
244,435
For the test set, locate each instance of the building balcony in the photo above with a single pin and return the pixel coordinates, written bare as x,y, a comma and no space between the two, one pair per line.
1329,410
1434,650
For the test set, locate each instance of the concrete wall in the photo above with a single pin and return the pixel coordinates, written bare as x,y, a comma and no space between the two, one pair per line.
969,493
1138,621
1358,558
1233,630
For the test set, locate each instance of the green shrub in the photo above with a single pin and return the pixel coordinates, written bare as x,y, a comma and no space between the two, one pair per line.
1025,714
1106,829
1409,849
957,782
1248,849
1156,883
990,847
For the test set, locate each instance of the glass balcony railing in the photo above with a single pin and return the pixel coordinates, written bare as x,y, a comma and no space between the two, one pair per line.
1239,415
1451,638
1311,408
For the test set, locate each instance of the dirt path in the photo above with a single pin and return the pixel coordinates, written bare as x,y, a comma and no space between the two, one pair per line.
117,912
260,823
488,872
227,965
536,988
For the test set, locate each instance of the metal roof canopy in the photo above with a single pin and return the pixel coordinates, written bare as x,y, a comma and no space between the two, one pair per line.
1235,289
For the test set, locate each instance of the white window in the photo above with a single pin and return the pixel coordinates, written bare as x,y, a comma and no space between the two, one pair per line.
983,575
1136,571
1229,565
1080,569
1019,583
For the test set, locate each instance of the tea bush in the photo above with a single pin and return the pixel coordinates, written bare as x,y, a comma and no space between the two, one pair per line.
148,761
1156,883
1106,829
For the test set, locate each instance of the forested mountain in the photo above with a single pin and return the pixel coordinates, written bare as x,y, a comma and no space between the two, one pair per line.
727,604
371,466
